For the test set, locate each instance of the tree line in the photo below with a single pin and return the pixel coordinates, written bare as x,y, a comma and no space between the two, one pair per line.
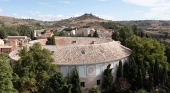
15,30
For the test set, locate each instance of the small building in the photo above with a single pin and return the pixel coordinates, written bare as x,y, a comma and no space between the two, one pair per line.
46,33
6,49
84,31
1,42
17,40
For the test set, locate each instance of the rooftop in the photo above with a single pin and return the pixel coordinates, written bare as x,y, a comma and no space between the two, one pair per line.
83,51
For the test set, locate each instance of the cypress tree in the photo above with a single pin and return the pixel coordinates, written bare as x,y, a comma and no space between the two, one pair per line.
163,76
56,83
108,78
66,89
156,73
133,71
53,40
139,81
126,70
151,81
120,70
141,66
75,81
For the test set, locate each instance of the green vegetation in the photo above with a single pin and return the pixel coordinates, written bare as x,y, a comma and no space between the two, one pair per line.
33,69
147,50
16,30
6,85
94,89
108,78
56,83
75,81
50,40
95,34
120,70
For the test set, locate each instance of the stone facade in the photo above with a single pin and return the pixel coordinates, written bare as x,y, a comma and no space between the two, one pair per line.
92,74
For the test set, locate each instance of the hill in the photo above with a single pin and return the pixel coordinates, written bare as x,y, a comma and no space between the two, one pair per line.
153,27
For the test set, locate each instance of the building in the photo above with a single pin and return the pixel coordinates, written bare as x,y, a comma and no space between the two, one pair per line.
90,56
6,49
84,31
45,34
17,41
1,42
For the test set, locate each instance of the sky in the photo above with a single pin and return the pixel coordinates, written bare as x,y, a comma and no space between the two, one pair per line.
52,10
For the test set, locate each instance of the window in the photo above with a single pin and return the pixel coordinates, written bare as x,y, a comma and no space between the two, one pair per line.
74,42
82,51
82,84
82,71
101,51
98,69
98,82
64,71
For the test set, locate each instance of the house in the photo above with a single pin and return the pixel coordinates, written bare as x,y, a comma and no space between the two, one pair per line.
84,31
1,42
17,40
6,49
45,34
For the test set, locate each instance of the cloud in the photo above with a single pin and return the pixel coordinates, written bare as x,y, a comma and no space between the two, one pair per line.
158,9
20,17
106,17
34,13
46,17
148,3
1,10
43,3
65,2
5,0
50,17
104,0
78,14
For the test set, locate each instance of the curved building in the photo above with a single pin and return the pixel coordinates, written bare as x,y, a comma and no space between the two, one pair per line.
90,56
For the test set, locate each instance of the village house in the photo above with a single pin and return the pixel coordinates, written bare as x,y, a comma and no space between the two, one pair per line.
16,41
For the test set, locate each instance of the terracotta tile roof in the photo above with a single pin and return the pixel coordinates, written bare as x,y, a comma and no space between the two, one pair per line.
83,52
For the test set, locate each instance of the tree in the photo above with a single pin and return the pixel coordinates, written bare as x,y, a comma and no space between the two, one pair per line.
133,71
95,34
147,49
50,40
94,89
120,70
56,83
156,73
24,30
163,76
6,85
126,70
89,35
108,78
115,36
139,81
75,81
135,29
34,69
167,53
66,89
121,85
